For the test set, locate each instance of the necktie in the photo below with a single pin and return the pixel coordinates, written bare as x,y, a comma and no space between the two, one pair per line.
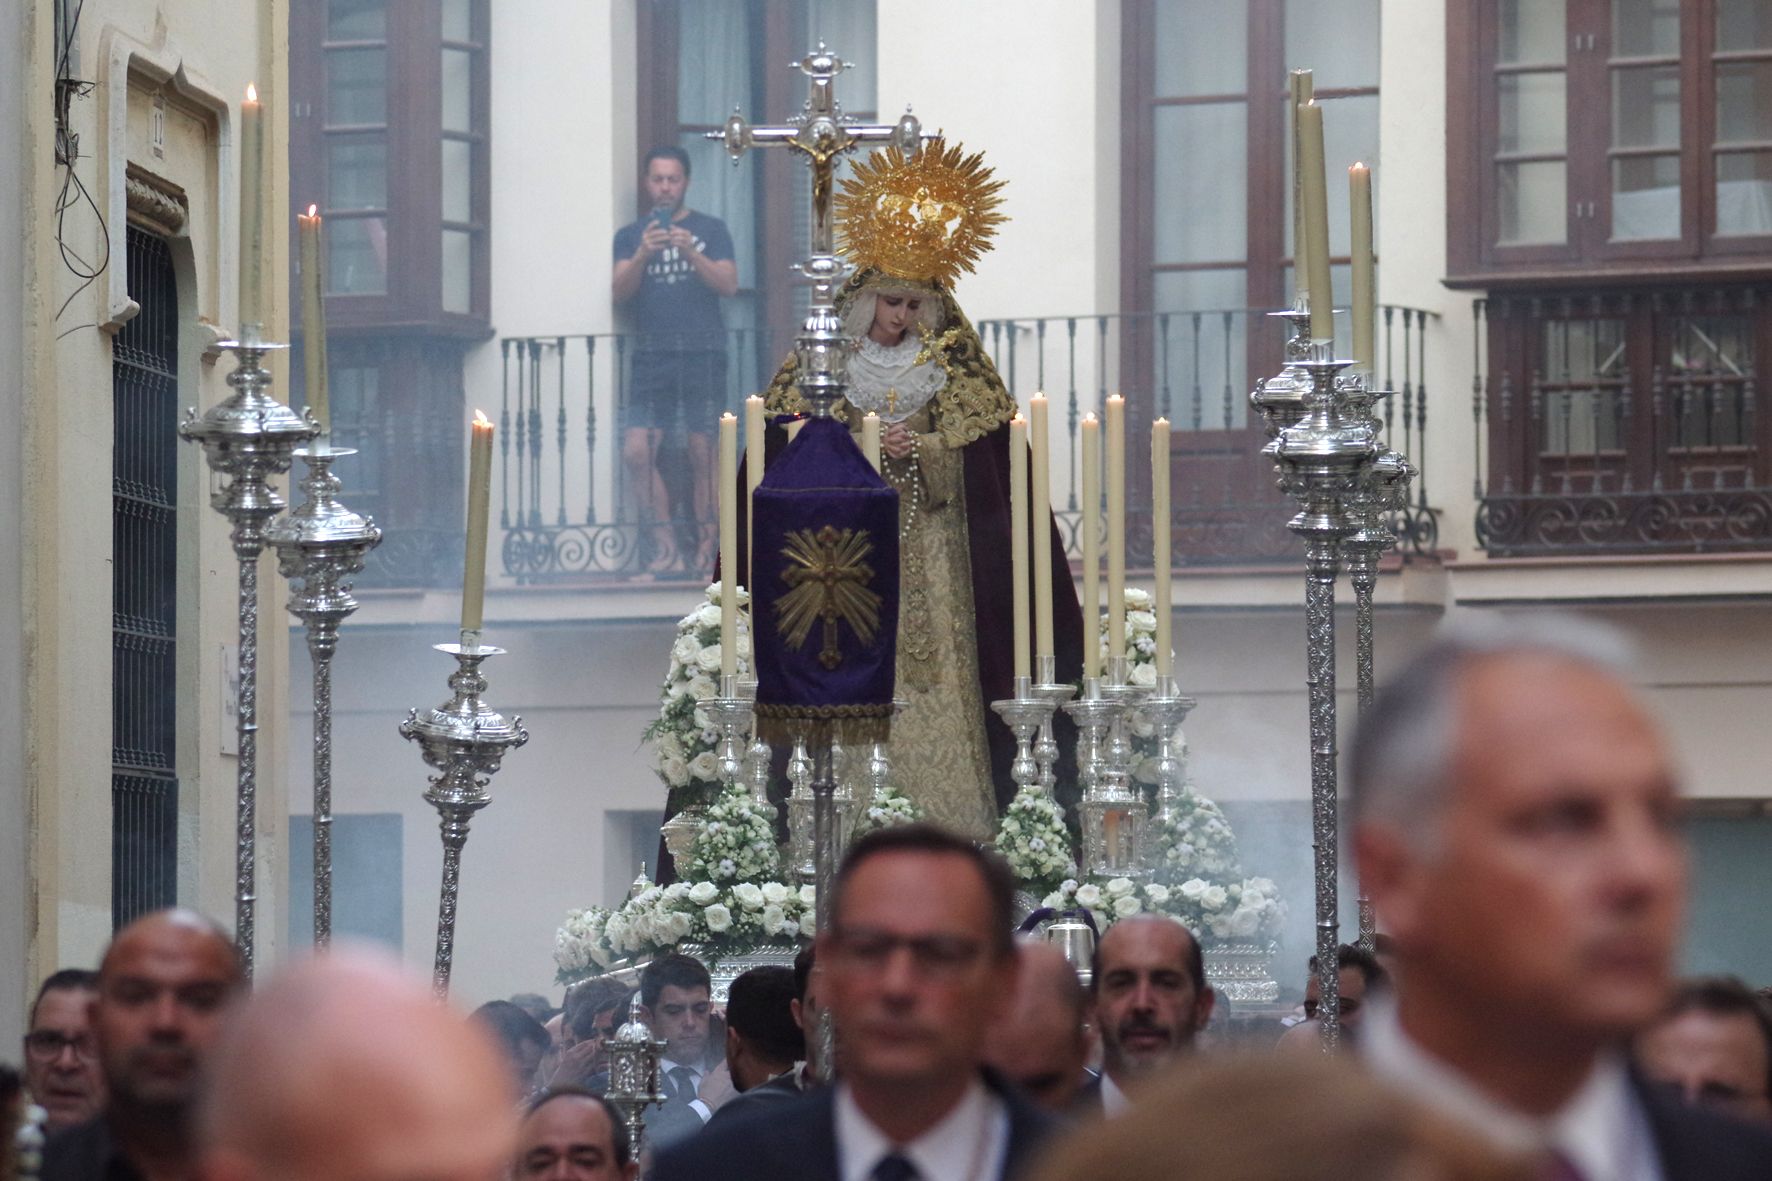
682,1083
894,1167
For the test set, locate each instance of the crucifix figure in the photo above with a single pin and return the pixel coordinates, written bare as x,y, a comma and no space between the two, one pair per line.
830,576
822,132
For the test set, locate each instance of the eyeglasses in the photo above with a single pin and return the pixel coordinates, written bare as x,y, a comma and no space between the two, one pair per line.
933,955
46,1045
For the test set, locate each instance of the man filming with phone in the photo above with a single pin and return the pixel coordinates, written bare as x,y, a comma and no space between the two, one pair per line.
671,268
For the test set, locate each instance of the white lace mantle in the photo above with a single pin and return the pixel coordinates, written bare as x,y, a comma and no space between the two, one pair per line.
883,379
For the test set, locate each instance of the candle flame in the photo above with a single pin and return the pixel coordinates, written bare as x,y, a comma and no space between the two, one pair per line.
480,419
313,211
251,93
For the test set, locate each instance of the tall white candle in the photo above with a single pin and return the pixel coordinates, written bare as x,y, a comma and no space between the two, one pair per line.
870,438
1302,90
728,545
1018,528
473,582
252,187
1160,555
1090,445
1041,523
1316,221
753,475
1359,183
1116,513
313,317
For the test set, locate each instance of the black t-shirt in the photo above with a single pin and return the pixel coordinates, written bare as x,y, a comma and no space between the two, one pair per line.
674,311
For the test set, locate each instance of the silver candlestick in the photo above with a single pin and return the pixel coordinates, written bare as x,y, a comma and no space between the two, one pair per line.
465,740
248,438
1113,816
1023,714
321,544
1047,688
1165,709
731,712
800,852
1321,459
757,755
1280,399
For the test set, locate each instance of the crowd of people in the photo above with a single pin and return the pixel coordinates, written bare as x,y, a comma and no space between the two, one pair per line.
1514,814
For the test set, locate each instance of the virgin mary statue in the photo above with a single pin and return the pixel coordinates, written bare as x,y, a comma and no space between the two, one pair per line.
910,225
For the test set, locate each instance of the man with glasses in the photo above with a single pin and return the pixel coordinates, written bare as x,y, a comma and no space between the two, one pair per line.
917,964
61,1066
163,988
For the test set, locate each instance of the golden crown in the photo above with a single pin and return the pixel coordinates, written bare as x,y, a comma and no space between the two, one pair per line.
925,218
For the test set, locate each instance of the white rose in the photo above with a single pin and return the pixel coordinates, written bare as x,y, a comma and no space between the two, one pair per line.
670,745
1245,922
708,659
708,615
775,893
1159,895
790,928
808,894
1119,887
1143,675
1053,900
675,771
1141,620
702,688
703,893
718,917
1137,598
1192,889
705,765
1089,895
1214,898
1126,906
1068,885
677,890
685,650
748,895
772,920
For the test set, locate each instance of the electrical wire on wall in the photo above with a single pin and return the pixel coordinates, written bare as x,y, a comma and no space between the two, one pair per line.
73,193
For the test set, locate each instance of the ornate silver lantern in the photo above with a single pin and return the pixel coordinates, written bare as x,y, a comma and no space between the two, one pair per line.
633,1073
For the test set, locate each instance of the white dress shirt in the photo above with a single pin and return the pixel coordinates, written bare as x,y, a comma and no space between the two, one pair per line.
1602,1130
1114,1101
969,1143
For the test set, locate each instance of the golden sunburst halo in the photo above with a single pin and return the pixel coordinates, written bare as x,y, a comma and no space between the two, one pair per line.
927,217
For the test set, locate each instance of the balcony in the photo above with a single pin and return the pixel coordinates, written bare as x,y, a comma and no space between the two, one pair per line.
571,513
1624,422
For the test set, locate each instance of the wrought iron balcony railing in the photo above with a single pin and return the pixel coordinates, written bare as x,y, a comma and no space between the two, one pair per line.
577,414
1622,422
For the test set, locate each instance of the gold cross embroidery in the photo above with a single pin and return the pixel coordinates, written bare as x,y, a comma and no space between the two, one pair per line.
829,574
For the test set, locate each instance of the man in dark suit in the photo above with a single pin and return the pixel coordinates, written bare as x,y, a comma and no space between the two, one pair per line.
763,1041
1043,1041
1514,818
917,963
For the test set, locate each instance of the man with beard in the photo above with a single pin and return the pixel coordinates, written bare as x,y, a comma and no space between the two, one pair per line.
1151,1000
163,987
61,1065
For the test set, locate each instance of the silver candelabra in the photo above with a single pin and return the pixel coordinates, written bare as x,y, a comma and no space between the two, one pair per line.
1165,709
1113,815
320,545
634,1056
465,740
248,438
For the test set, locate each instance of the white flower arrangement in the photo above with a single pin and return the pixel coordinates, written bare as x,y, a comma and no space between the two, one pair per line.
1250,909
684,739
736,844
1196,841
888,807
1033,839
659,918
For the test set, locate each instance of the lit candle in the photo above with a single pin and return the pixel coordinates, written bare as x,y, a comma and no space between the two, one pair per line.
728,545
1041,523
1116,514
1018,529
313,317
473,582
1302,90
1316,221
1090,444
1160,559
252,163
1359,184
753,475
870,438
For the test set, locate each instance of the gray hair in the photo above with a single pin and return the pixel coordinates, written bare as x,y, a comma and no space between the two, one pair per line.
1402,751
